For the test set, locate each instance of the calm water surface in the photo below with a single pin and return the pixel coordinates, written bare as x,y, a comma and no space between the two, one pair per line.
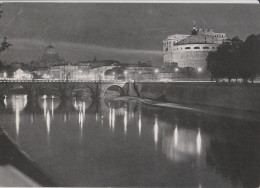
126,143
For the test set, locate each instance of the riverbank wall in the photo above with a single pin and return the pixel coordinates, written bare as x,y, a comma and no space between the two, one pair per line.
225,95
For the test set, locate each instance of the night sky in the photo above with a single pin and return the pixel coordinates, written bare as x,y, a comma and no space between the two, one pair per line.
124,32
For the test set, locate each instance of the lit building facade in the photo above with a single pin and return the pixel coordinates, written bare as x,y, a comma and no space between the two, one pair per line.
20,74
191,50
64,72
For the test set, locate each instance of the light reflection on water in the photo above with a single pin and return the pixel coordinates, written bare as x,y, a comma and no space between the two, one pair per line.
139,122
147,145
156,132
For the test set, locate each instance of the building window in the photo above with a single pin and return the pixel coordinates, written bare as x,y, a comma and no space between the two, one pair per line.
187,48
213,47
196,47
205,47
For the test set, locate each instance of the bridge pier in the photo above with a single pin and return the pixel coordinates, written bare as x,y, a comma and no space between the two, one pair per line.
66,94
65,89
2,98
33,95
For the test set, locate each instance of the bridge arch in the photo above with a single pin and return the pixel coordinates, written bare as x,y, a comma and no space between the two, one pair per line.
9,87
85,86
112,86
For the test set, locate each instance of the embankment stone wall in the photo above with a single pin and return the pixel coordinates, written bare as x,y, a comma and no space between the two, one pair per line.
234,96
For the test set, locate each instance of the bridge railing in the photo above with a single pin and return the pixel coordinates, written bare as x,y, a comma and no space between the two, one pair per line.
10,80
59,80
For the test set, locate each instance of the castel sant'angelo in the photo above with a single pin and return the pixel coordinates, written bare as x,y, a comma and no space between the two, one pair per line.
191,50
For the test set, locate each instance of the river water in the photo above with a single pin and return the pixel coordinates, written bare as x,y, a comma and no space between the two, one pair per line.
128,143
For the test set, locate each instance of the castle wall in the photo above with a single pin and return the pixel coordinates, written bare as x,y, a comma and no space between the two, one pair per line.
189,55
191,50
225,95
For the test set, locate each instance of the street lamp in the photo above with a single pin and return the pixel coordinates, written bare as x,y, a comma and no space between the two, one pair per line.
176,69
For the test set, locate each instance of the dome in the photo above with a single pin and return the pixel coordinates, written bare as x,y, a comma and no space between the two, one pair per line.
50,54
50,50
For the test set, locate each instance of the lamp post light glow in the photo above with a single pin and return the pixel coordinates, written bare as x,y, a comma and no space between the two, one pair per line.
176,70
156,71
125,73
4,75
199,71
114,75
139,75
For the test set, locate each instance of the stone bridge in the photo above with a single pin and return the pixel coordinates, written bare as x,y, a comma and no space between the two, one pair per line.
65,87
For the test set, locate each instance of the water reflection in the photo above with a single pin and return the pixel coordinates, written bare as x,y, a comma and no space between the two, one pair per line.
182,145
5,101
156,131
198,141
125,120
139,122
81,121
175,136
52,107
170,144
44,106
17,117
113,119
48,122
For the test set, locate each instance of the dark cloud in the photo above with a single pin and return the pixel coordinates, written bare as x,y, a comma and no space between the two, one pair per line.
139,28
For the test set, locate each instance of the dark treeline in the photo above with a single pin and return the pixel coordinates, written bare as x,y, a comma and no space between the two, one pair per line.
236,59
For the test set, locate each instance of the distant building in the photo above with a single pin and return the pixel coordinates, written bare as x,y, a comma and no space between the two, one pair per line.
140,71
49,58
20,74
64,72
97,63
99,72
191,50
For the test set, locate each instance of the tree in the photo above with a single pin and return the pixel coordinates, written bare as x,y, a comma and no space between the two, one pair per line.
224,62
4,44
249,65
